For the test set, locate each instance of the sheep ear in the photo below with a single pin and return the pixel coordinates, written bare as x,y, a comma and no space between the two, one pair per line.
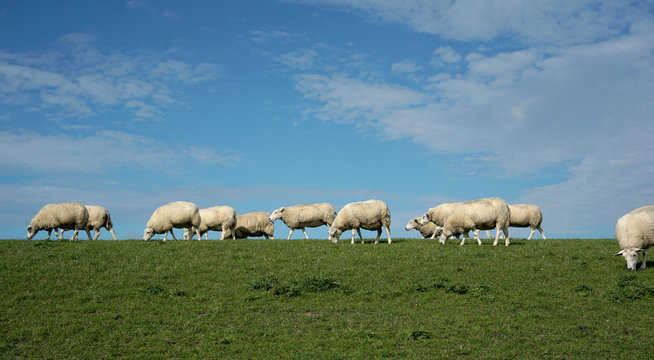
638,249
620,253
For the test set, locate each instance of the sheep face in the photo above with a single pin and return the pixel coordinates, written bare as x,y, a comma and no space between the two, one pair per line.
148,234
276,215
334,234
31,232
413,224
424,219
631,256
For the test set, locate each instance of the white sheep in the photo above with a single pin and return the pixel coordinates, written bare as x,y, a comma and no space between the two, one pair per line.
303,216
428,229
369,215
217,218
525,215
437,215
635,233
178,214
253,224
72,215
98,218
482,214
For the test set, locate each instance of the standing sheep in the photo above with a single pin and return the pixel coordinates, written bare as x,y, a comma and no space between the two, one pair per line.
303,216
71,215
482,214
253,224
217,218
178,214
525,215
98,218
635,233
369,215
428,229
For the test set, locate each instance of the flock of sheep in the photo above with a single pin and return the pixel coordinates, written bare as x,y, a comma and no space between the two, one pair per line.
634,231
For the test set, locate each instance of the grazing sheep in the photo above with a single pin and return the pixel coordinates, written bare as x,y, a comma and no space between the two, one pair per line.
482,214
178,214
72,215
369,215
437,215
635,233
98,218
525,215
217,218
303,216
428,229
252,224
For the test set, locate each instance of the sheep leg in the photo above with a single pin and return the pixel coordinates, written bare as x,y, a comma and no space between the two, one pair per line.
644,264
113,234
165,235
88,233
388,231
60,234
378,235
360,237
206,235
173,234
197,232
531,233
97,234
541,233
49,232
506,236
488,234
352,237
305,233
497,236
476,233
289,234
463,241
74,234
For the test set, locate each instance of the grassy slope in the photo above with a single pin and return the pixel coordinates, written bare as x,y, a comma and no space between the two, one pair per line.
313,299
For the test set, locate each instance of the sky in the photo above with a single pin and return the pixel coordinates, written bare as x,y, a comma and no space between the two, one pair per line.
263,104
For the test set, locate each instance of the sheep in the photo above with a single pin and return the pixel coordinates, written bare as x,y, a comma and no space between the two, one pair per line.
635,233
71,215
437,215
482,214
178,214
253,224
217,218
525,215
98,218
303,216
369,215
428,229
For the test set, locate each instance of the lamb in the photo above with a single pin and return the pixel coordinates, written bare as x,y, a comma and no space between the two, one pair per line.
253,224
635,233
217,218
369,215
98,218
303,216
178,214
482,214
72,215
428,229
437,215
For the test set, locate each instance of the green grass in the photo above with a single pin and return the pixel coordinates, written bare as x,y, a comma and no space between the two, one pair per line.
554,299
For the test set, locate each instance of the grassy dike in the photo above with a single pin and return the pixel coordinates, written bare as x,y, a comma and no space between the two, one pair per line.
554,299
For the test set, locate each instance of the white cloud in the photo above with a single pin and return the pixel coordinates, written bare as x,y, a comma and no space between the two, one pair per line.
446,55
301,59
81,80
539,21
152,10
405,66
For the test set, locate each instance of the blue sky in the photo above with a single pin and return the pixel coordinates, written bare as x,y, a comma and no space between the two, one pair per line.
261,104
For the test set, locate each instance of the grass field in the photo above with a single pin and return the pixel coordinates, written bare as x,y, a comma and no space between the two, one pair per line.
554,299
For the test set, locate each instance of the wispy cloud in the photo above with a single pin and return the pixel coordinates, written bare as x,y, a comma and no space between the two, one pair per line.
152,10
99,153
80,80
